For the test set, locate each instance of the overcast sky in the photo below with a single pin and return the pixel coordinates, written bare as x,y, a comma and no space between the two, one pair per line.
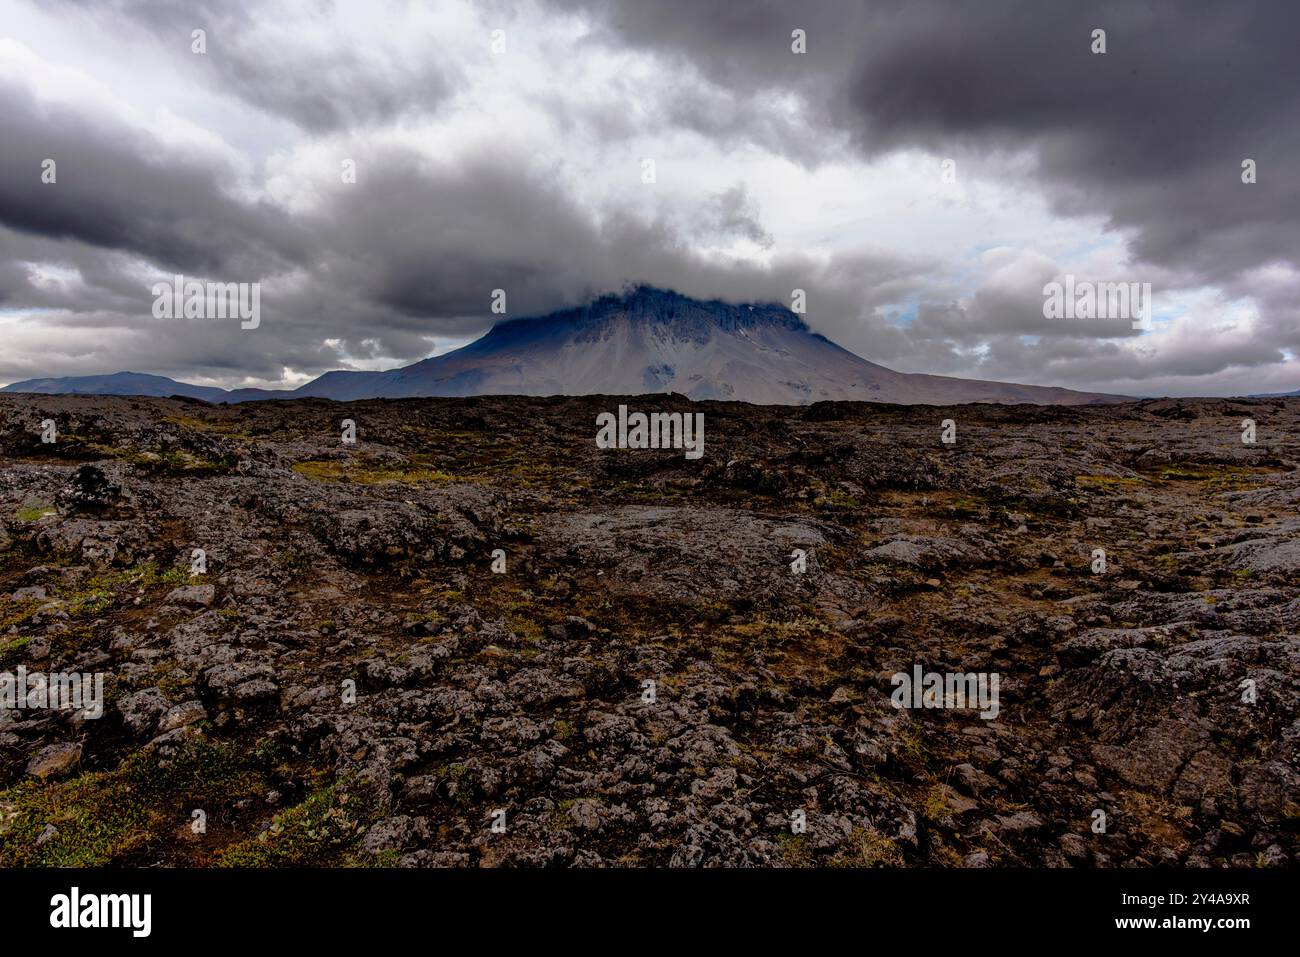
521,169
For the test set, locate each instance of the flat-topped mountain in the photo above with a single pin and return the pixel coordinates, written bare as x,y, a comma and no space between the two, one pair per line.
641,341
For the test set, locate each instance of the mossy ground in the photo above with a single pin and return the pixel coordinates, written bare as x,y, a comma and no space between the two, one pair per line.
361,473
130,813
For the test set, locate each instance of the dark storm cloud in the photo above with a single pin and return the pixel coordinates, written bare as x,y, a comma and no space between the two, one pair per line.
102,276
491,221
121,188
1151,134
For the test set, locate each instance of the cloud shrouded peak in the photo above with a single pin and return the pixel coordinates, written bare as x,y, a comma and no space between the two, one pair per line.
922,170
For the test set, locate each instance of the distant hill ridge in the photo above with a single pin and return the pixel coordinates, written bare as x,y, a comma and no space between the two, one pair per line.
642,340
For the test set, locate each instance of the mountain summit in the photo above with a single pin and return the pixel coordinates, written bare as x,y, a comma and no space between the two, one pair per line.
641,341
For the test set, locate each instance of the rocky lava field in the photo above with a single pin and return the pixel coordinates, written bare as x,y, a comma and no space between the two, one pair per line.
351,683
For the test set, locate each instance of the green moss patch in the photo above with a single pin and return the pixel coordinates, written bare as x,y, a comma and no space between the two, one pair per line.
114,817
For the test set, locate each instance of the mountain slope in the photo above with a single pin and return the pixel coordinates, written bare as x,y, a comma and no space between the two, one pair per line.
119,383
649,340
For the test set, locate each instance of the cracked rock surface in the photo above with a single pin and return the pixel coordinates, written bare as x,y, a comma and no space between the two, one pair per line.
473,638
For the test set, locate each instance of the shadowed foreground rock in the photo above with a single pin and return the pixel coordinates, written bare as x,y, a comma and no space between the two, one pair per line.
339,677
